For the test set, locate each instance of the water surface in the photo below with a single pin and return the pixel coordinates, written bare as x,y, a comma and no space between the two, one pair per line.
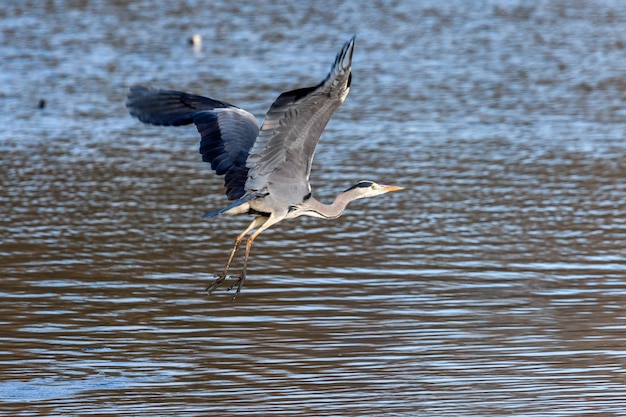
494,285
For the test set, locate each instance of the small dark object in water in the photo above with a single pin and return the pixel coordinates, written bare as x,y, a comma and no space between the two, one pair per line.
41,104
196,40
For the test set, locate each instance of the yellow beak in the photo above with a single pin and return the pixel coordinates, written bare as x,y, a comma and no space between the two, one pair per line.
389,188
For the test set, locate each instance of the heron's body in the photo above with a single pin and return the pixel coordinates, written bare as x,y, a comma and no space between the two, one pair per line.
266,169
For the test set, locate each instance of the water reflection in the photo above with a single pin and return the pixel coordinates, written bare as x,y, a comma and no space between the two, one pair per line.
494,285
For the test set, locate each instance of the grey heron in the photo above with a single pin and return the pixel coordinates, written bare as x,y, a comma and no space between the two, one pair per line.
266,170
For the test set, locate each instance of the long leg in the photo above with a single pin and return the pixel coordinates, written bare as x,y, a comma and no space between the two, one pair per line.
239,283
220,277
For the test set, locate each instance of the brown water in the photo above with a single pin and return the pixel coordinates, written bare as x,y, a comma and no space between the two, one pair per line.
494,285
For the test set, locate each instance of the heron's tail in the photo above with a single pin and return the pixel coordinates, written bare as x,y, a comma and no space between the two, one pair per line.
239,203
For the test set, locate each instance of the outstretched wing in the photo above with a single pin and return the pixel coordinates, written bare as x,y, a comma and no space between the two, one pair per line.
227,132
280,160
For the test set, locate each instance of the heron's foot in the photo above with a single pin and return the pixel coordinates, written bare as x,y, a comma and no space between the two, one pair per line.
239,284
219,278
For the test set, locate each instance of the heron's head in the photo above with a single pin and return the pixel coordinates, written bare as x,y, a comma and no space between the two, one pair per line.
364,189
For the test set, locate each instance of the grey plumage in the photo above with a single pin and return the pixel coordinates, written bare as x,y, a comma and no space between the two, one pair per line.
266,170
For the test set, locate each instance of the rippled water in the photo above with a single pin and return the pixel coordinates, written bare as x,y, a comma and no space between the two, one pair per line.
494,285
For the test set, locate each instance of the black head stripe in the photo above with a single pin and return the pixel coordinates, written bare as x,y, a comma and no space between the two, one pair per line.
361,184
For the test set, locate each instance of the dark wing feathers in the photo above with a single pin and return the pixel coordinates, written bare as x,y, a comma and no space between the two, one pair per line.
227,132
168,107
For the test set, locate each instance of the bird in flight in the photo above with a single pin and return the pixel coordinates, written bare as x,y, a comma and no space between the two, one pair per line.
266,170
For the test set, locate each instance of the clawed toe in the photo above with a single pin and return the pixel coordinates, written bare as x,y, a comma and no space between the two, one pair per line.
219,278
235,284
238,284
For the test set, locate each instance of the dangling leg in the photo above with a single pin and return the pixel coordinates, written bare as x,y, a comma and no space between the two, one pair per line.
239,283
220,277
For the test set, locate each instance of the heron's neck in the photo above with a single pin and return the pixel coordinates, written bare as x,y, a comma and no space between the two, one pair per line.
314,208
